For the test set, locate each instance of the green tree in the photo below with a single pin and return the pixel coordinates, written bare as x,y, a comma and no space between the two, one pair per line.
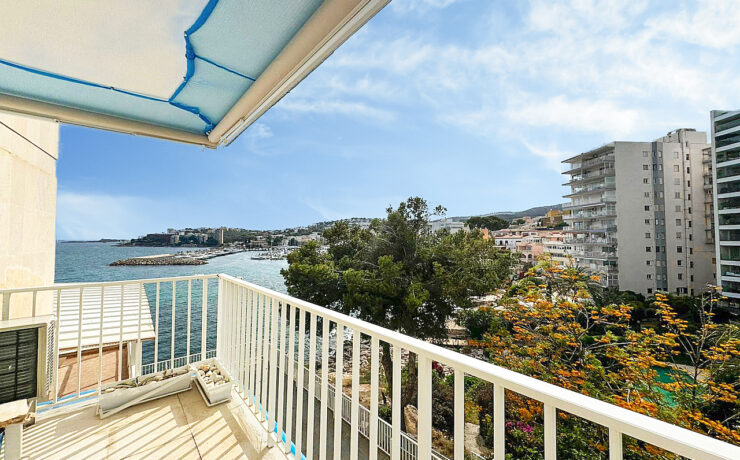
398,273
491,223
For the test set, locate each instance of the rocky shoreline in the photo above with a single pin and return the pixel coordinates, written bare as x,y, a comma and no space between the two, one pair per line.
171,260
179,258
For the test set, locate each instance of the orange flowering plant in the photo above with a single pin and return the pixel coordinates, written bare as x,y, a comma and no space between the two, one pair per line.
683,371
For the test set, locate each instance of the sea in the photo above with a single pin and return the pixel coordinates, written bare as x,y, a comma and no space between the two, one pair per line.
90,262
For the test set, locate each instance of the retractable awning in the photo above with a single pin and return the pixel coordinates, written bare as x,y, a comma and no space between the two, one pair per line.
195,71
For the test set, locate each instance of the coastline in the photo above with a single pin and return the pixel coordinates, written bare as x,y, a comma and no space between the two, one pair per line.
179,258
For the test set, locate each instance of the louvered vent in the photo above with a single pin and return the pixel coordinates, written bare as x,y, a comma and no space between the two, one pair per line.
51,345
18,361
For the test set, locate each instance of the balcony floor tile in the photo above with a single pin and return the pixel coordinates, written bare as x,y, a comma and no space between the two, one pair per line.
179,426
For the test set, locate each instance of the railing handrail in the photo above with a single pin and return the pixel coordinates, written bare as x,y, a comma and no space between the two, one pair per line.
77,285
626,422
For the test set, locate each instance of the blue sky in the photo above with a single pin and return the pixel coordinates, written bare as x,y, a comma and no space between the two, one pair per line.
468,103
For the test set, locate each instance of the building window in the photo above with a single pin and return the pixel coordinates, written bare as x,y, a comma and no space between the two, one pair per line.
691,250
647,194
678,222
678,235
678,208
647,207
660,195
692,280
645,167
689,209
676,168
649,276
691,264
650,290
679,249
687,155
688,170
645,181
647,235
648,249
688,183
676,181
677,195
676,155
678,262
680,276
644,153
647,221
647,262
688,196
691,237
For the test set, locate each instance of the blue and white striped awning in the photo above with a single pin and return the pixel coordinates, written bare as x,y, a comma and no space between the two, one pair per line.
197,71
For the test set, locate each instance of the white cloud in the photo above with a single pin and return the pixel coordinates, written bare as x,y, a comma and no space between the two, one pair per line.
255,137
335,107
405,6
710,23
582,115
550,153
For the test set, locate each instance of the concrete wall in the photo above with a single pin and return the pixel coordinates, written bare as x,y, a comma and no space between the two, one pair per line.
631,187
28,188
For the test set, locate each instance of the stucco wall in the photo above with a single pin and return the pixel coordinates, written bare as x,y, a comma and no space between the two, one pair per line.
28,188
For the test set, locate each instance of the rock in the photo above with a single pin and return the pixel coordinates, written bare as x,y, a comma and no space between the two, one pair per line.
411,418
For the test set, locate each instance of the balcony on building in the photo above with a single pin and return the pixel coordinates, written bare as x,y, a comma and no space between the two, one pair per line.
280,353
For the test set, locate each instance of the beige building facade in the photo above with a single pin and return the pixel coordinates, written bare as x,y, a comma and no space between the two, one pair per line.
637,214
28,187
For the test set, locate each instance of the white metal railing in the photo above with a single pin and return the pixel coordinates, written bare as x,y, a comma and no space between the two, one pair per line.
136,321
257,332
259,329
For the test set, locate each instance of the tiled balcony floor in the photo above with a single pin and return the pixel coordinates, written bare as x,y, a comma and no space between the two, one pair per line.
177,427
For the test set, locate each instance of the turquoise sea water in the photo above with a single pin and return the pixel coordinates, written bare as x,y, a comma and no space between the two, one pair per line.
89,262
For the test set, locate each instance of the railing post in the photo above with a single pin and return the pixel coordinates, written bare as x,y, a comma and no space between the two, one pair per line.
311,384
272,416
615,444
424,427
219,318
6,306
338,390
374,371
203,316
550,420
355,424
458,417
396,401
324,439
499,423
300,369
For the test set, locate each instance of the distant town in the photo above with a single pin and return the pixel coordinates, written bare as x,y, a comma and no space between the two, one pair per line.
643,205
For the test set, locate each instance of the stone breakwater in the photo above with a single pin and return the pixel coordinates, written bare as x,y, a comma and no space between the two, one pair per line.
180,258
161,260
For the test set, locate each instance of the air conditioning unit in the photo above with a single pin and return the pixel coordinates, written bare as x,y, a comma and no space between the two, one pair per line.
27,364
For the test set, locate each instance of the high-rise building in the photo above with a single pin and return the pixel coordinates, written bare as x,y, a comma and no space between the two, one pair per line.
726,177
637,214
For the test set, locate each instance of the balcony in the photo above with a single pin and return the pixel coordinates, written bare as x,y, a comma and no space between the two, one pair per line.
280,352
568,168
579,179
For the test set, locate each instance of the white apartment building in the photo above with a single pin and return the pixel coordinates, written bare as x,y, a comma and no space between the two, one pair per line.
726,187
637,214
453,226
